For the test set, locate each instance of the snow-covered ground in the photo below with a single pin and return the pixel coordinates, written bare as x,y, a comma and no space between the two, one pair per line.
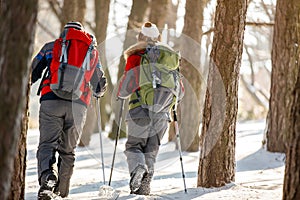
259,174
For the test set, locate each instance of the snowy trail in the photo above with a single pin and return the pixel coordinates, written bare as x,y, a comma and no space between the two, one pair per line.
259,173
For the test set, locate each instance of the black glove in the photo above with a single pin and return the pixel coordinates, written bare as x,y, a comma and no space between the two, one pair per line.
101,88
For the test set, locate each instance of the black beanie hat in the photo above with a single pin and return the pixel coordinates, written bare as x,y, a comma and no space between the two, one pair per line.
76,25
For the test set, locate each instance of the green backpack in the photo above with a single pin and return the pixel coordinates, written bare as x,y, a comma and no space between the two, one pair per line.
158,80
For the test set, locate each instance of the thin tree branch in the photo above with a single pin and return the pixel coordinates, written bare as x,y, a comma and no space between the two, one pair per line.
247,24
46,29
89,24
209,31
266,10
252,90
251,64
259,24
53,5
268,71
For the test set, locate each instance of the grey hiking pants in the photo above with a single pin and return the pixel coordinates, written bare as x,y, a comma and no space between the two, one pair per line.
143,142
60,125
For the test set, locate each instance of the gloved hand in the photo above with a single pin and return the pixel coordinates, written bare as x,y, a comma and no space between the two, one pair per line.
101,88
98,95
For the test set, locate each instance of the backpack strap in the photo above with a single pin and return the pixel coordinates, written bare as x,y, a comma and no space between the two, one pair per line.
87,59
153,54
138,99
86,62
64,49
63,57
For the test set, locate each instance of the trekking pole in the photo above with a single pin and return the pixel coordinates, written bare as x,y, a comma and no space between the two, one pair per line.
116,142
179,146
177,132
100,133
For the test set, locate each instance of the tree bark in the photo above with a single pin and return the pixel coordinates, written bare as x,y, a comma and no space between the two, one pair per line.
158,12
17,26
80,10
17,190
72,10
288,17
191,69
67,12
101,20
283,76
172,15
135,19
217,155
291,187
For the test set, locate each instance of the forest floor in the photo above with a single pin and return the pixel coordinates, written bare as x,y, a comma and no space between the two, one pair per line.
259,174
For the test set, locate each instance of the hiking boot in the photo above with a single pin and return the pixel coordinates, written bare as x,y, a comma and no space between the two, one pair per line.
145,185
48,183
136,177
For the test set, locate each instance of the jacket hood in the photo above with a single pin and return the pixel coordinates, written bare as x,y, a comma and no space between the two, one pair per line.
140,46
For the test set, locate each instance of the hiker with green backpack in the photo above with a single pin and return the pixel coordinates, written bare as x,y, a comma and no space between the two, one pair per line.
153,84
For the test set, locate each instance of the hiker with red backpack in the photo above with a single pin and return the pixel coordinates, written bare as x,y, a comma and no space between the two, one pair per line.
71,69
152,83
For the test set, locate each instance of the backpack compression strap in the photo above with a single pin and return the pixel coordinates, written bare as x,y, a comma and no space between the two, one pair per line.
63,57
153,54
86,63
64,54
87,59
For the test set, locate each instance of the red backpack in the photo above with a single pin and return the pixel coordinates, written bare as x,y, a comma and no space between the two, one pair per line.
70,68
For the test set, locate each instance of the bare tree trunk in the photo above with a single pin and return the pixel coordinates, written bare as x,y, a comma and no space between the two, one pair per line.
67,12
172,15
72,10
191,69
17,190
16,37
291,187
288,17
158,12
217,155
101,20
135,20
283,76
80,10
